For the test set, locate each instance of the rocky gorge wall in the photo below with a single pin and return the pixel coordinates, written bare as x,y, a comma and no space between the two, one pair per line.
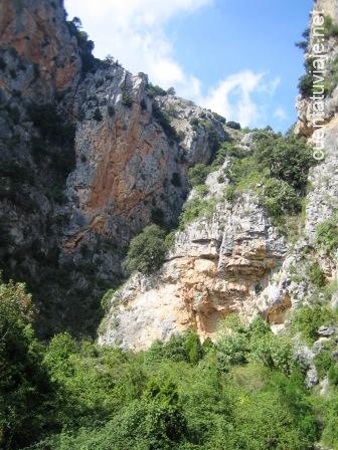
235,261
88,156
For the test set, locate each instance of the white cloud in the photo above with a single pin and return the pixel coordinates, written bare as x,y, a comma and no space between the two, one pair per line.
133,32
233,97
280,114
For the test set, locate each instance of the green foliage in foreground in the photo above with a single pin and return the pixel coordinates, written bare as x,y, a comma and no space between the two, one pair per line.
244,392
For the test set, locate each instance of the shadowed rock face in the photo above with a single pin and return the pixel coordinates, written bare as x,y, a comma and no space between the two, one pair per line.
87,158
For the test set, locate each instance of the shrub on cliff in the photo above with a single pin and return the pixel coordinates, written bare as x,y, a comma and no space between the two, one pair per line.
233,125
330,27
198,174
327,234
280,198
288,158
146,250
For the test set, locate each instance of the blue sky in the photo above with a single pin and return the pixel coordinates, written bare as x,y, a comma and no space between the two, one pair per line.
236,57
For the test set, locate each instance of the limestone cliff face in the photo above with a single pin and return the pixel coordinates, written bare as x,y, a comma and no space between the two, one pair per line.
322,198
88,156
217,266
304,104
236,261
37,32
128,168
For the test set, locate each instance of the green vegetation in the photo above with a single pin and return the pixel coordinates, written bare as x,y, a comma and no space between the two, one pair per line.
146,250
317,276
327,234
157,216
126,100
280,198
97,115
306,82
176,179
331,79
330,27
234,125
55,139
163,119
3,64
86,46
154,91
195,208
27,393
244,391
276,169
308,319
198,174
50,123
303,45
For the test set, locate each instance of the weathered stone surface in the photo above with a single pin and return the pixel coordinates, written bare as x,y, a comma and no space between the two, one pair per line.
68,224
217,266
236,261
37,31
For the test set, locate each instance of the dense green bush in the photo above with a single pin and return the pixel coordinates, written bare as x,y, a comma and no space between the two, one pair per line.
97,115
288,158
198,174
195,208
163,119
327,234
316,275
26,391
305,84
51,124
127,100
154,90
146,250
227,150
276,169
280,198
331,80
234,125
303,45
176,179
86,46
243,391
308,320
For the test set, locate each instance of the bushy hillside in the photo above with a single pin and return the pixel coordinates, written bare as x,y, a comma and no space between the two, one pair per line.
246,391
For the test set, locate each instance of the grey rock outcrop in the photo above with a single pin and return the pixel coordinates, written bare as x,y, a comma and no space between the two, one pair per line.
88,156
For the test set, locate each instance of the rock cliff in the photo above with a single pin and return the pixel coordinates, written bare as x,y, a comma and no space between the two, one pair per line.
89,154
236,260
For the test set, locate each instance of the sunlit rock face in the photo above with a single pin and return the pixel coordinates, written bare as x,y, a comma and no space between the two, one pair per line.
235,261
217,266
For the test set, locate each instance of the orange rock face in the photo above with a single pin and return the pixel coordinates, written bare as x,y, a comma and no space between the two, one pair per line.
37,31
